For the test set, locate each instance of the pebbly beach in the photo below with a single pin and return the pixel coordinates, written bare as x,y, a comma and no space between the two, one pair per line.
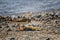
30,26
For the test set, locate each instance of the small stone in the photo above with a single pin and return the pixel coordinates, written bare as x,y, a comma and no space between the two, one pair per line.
12,38
48,39
0,27
9,30
7,26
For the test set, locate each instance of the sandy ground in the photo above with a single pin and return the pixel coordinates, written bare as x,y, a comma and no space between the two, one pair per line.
31,35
